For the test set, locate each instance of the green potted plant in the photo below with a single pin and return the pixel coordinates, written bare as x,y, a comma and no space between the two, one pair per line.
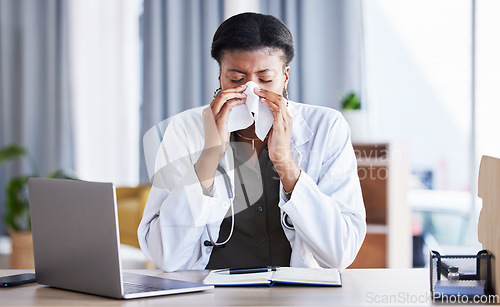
354,115
350,101
17,212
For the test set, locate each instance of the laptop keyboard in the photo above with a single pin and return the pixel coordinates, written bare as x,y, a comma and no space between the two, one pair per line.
130,288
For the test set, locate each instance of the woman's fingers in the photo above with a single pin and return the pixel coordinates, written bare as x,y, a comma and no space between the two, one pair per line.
275,108
273,101
277,99
227,95
281,112
226,109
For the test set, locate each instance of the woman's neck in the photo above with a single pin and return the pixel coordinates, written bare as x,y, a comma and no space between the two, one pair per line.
248,136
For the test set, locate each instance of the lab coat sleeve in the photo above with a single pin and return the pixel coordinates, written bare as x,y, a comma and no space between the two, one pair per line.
328,211
172,230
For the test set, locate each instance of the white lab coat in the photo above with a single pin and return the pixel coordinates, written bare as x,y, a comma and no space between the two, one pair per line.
326,206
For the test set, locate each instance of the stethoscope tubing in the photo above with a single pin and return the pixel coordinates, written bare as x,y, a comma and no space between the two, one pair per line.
284,222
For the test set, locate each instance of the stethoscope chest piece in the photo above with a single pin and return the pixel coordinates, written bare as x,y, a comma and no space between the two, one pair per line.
286,221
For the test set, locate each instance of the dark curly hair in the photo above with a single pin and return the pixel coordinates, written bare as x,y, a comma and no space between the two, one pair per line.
252,31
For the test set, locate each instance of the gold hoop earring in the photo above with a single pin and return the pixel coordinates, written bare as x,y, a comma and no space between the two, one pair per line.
286,96
217,91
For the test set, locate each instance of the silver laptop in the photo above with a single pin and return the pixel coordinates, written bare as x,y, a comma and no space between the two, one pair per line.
76,242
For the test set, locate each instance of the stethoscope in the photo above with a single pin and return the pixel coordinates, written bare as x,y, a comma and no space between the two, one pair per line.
230,194
286,221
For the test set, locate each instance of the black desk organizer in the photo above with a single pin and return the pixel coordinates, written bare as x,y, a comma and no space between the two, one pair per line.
474,274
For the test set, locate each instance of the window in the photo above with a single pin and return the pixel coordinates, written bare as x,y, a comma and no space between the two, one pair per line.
419,81
104,55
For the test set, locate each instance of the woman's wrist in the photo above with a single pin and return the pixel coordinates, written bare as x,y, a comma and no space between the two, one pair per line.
206,166
289,173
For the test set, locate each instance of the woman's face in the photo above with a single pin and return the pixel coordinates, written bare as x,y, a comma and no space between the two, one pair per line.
264,66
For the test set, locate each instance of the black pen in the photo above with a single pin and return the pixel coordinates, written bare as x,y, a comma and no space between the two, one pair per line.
247,270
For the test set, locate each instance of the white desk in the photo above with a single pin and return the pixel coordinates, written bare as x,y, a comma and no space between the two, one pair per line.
368,287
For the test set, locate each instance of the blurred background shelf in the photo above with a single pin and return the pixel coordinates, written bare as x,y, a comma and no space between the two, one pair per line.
384,174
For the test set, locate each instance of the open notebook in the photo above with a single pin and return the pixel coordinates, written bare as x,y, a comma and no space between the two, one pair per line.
299,276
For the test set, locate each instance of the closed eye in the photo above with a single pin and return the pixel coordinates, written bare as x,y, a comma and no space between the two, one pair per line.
237,81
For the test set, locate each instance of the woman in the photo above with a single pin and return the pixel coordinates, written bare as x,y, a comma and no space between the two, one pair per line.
306,209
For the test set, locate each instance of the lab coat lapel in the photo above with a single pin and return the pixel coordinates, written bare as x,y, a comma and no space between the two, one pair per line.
301,132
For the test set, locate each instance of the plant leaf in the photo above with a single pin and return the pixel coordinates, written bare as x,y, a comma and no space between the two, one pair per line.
62,174
351,102
17,214
12,151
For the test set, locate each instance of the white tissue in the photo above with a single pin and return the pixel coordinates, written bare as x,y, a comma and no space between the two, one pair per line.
241,115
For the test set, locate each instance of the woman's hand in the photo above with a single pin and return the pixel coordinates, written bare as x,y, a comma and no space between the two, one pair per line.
215,118
280,138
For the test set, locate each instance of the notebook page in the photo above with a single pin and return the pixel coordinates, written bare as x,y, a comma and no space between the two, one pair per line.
215,278
308,275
